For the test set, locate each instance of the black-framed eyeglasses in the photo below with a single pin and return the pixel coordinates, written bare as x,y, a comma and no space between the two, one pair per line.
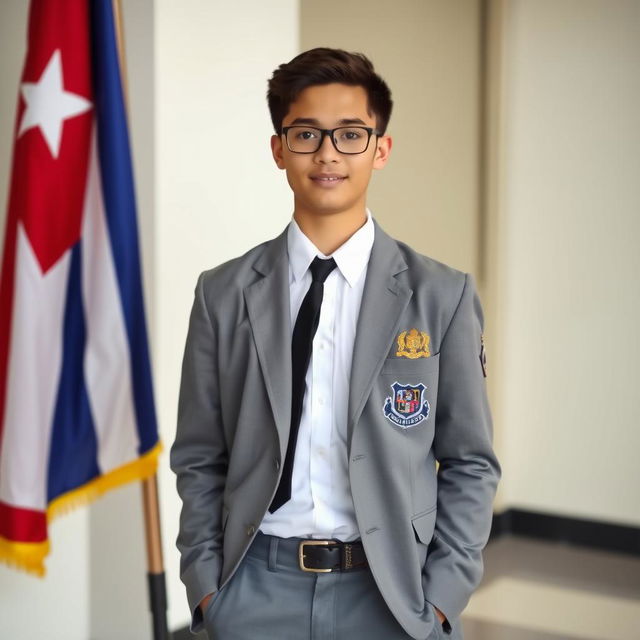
349,140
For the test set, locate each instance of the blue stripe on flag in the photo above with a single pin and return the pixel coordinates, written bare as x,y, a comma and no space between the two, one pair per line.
73,454
120,207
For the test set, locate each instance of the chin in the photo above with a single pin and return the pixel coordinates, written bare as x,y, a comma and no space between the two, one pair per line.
330,206
326,211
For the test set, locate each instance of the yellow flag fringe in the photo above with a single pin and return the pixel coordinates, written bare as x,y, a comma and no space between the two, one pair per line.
29,556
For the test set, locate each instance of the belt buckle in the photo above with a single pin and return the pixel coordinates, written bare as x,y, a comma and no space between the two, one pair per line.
312,543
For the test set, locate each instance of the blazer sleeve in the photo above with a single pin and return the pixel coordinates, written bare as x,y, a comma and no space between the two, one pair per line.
469,471
199,459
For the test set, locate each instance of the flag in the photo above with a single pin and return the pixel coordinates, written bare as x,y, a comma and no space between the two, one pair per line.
77,415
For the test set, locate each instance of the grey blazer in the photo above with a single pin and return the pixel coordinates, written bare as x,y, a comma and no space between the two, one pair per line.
423,527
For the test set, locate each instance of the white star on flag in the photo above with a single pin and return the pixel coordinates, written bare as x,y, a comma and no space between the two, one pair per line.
49,105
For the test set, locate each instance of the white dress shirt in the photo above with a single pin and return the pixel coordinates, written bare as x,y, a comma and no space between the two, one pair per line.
321,505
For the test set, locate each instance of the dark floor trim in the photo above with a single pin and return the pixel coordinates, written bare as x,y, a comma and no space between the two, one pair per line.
585,533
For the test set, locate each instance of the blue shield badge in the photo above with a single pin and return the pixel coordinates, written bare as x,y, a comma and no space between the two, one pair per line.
408,405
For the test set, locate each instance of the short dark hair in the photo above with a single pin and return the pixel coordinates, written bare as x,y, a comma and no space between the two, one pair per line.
324,66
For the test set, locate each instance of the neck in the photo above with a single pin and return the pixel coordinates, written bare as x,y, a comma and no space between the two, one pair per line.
329,232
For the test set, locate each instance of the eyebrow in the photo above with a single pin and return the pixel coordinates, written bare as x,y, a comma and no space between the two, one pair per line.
313,122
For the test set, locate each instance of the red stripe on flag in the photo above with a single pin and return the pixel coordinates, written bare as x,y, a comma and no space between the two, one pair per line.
22,525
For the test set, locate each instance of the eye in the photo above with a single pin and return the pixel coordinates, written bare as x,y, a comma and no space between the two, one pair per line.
306,134
351,134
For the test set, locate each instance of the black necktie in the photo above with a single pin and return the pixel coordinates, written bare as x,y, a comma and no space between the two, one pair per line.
301,347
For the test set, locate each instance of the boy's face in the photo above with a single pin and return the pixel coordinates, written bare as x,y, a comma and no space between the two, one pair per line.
328,182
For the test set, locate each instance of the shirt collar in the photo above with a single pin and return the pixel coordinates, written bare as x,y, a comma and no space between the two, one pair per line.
351,257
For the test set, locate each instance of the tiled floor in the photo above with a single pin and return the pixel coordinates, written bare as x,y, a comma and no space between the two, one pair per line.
536,590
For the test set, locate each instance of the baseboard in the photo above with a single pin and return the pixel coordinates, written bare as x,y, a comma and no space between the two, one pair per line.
544,526
585,533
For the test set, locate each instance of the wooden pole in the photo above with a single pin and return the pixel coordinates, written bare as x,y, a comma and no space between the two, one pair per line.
155,574
155,566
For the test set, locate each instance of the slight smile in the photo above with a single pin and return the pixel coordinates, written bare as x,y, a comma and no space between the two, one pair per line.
327,179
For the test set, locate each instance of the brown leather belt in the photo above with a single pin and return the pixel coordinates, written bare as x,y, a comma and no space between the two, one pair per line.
325,556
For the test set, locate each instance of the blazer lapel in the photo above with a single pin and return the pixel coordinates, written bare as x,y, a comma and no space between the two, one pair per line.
267,302
384,300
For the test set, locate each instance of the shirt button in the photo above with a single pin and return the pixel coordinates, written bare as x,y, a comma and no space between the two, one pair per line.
320,401
251,530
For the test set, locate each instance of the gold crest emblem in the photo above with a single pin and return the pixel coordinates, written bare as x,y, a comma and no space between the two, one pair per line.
413,344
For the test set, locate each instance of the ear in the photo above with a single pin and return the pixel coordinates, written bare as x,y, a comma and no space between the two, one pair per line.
276,151
383,149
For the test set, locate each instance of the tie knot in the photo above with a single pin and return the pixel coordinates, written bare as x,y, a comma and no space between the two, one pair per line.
320,269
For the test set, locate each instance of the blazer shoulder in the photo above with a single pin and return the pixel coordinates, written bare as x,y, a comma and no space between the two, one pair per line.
235,274
446,282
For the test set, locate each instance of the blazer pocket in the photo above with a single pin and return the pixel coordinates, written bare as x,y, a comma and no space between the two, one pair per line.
408,367
424,525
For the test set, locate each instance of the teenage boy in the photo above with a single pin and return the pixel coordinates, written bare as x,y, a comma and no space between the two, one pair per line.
325,373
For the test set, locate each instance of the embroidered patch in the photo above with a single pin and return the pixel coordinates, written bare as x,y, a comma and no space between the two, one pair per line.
413,344
408,405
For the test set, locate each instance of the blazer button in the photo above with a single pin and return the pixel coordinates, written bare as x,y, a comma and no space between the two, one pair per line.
251,530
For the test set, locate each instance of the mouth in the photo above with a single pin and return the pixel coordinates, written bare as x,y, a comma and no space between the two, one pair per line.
328,179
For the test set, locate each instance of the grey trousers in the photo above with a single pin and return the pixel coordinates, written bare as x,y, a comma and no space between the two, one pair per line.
270,598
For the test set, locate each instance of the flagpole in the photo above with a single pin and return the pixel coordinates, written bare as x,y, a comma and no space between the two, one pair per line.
155,564
155,574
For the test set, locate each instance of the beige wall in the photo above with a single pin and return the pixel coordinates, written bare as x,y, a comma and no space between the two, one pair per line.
570,309
427,51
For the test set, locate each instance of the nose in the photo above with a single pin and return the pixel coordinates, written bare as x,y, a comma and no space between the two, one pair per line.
327,152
